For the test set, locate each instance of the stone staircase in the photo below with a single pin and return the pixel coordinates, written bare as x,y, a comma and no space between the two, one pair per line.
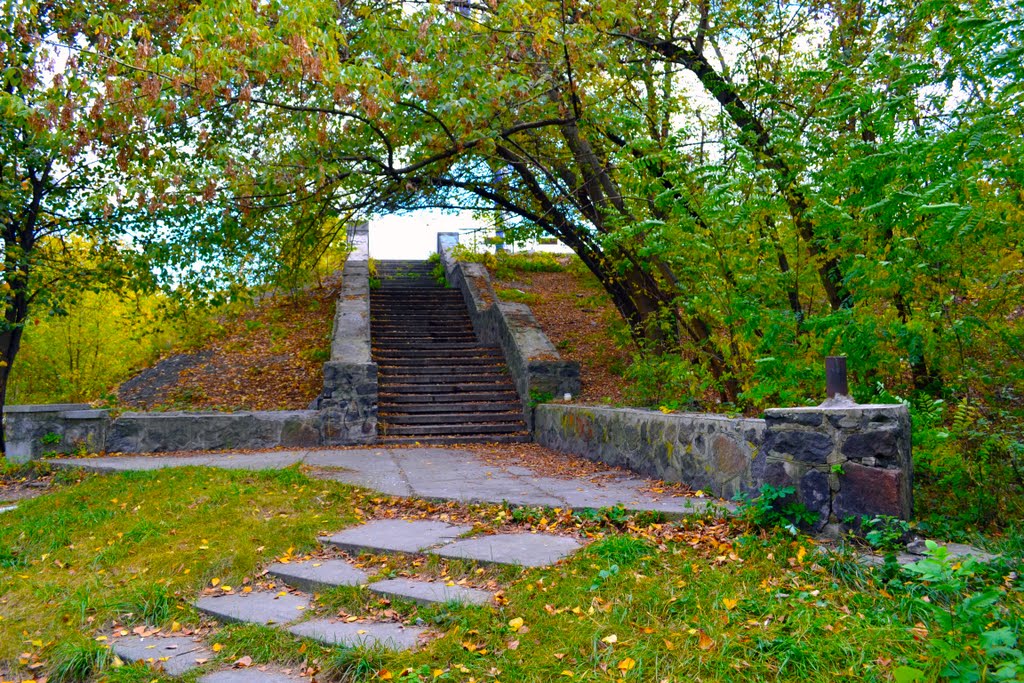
437,383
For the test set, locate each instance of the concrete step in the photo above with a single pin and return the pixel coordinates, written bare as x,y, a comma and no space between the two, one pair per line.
452,355
437,369
427,345
402,420
479,378
368,634
444,389
431,592
258,607
450,359
522,437
388,400
409,409
316,575
452,429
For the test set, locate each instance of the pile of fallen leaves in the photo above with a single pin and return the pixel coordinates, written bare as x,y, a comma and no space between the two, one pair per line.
577,316
269,357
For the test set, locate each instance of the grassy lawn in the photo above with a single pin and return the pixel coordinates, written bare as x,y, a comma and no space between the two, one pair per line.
645,601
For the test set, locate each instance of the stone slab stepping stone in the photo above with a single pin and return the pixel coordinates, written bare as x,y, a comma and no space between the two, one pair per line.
427,592
524,550
388,635
314,575
255,608
396,535
175,655
250,674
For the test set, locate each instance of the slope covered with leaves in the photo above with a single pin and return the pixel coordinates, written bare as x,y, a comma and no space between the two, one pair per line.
268,356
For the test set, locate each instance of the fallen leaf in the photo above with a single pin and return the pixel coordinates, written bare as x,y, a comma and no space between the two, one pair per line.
244,662
730,603
626,664
610,639
704,641
516,624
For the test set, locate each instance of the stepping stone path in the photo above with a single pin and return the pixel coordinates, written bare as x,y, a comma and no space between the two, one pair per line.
315,575
427,592
527,550
258,607
437,382
175,655
288,609
249,675
396,535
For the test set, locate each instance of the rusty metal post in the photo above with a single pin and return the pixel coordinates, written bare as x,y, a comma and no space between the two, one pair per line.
836,383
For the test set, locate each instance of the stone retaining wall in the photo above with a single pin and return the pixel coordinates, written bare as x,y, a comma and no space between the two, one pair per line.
844,460
536,366
344,414
349,397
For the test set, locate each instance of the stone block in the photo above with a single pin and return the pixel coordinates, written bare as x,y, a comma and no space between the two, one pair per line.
805,446
816,495
871,491
880,444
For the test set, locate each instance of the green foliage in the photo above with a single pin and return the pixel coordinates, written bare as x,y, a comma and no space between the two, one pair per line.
885,532
516,295
79,659
149,603
774,508
97,341
974,639
537,397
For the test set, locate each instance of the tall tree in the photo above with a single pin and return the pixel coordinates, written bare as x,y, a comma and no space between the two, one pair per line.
749,183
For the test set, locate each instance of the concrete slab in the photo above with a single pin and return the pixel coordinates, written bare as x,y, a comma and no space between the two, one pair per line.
175,655
369,634
315,575
524,550
131,463
272,460
258,607
439,473
429,592
396,535
248,675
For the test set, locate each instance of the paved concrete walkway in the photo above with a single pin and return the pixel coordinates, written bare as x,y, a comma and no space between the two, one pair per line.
433,473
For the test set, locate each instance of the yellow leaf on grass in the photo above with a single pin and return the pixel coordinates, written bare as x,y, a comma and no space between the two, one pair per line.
214,581
610,639
730,603
217,647
626,664
568,673
175,627
516,623
704,642
800,554
384,675
669,645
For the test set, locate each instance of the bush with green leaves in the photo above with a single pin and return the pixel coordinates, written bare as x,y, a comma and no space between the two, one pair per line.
775,507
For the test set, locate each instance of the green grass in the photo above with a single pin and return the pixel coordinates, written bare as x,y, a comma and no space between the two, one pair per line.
645,601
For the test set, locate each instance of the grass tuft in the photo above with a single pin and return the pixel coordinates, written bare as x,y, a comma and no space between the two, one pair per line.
78,659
